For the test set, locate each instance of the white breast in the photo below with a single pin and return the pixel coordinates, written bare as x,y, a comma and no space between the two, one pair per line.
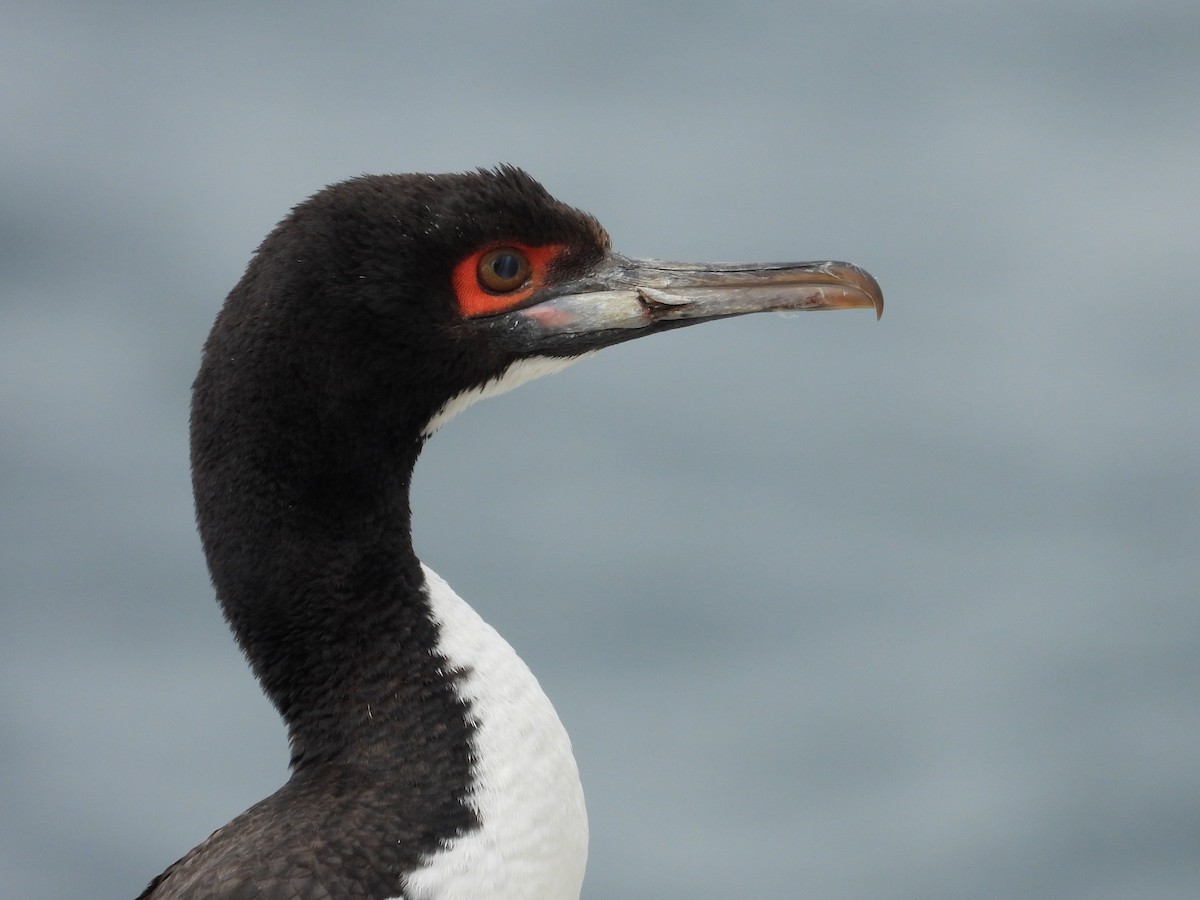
532,841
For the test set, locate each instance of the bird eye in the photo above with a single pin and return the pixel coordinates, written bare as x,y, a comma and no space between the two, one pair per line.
503,269
493,280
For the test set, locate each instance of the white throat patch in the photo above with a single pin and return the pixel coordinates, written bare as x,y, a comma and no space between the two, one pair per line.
531,843
517,374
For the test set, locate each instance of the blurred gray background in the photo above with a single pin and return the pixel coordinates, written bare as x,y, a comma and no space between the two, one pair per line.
831,608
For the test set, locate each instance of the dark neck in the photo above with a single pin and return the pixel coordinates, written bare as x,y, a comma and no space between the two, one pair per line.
306,527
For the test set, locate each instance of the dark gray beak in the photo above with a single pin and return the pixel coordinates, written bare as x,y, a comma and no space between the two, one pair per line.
622,298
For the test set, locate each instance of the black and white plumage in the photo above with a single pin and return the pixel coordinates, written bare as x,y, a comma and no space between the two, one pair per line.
426,761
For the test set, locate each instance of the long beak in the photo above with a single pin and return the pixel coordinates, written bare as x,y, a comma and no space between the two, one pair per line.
622,298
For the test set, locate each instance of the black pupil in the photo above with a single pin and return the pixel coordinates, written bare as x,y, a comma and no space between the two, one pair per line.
506,266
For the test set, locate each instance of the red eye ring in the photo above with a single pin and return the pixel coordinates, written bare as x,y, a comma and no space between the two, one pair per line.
500,277
503,270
